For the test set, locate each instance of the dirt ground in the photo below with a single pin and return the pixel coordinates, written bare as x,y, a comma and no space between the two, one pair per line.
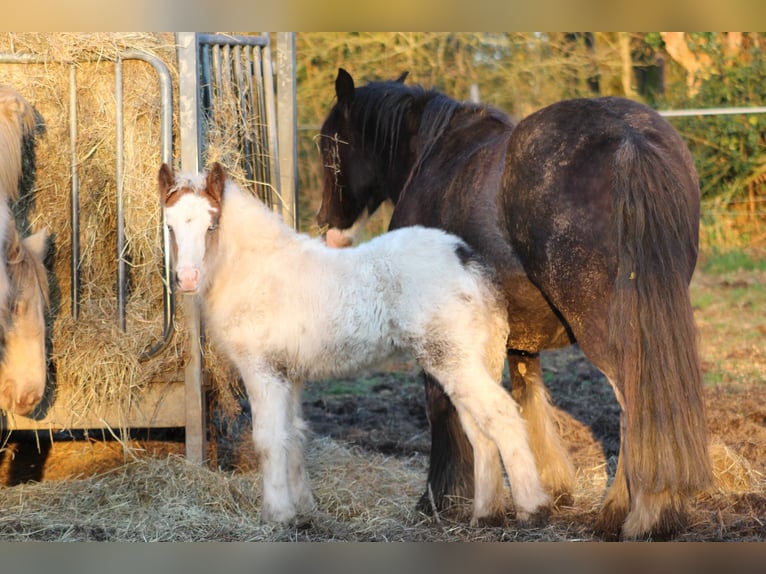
382,412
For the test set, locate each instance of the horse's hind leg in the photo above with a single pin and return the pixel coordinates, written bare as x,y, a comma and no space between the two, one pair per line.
450,466
553,462
616,503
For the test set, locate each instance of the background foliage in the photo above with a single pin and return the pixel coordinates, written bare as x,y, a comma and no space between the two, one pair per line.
522,72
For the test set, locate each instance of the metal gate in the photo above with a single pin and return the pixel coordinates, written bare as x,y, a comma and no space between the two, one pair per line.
216,73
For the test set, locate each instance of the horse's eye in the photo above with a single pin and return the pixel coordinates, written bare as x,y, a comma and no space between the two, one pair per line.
170,228
212,228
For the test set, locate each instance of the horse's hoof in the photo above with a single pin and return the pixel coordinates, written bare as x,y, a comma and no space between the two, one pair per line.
672,520
535,519
609,522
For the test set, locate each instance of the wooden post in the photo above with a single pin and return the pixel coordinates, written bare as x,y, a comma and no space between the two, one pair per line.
190,131
287,127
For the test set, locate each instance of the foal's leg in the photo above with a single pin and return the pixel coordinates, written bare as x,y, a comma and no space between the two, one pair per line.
299,479
497,415
489,493
270,396
553,462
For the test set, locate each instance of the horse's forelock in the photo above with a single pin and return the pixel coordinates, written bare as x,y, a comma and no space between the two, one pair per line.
185,183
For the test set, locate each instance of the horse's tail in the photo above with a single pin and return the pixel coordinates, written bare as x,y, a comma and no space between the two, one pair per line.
651,324
17,119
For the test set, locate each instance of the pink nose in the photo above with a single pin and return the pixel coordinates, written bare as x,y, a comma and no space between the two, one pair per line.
21,403
335,238
188,279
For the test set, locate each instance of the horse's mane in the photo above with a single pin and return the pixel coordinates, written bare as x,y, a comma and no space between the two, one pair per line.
383,107
17,120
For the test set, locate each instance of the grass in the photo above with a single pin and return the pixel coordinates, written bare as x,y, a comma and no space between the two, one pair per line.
729,297
720,261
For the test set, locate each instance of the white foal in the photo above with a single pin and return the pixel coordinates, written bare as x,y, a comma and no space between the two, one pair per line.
285,307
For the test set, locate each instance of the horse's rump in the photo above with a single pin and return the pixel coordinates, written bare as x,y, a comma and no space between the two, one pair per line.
603,208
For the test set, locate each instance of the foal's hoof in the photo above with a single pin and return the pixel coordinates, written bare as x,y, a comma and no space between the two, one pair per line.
490,521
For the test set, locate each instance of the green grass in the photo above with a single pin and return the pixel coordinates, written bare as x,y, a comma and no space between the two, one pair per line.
729,298
720,261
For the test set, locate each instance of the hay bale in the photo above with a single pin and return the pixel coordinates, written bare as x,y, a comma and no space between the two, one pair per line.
95,363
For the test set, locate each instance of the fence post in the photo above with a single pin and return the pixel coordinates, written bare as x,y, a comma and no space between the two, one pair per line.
286,127
190,131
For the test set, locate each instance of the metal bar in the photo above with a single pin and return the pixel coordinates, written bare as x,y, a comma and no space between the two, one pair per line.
190,132
251,123
224,40
259,131
245,132
74,214
119,174
713,111
271,132
166,152
206,89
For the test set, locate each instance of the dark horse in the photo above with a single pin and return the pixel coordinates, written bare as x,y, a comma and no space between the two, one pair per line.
589,211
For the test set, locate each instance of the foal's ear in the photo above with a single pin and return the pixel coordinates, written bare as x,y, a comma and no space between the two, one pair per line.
344,87
37,243
400,79
216,177
166,180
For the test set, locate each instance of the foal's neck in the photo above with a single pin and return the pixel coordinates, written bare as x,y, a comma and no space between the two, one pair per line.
247,224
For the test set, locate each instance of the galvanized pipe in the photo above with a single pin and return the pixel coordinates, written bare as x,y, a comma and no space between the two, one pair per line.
119,167
74,213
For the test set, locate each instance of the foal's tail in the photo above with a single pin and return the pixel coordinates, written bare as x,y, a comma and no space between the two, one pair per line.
651,325
17,119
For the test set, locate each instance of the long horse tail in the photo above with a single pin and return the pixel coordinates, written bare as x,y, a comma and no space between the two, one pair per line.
17,120
651,325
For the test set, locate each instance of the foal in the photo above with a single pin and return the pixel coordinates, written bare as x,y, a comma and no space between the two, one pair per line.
284,307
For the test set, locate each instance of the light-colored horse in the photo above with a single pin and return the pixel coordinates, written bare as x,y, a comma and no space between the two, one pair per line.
285,307
23,277
24,367
17,120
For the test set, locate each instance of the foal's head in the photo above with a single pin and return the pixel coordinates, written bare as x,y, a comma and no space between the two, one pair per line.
192,212
24,368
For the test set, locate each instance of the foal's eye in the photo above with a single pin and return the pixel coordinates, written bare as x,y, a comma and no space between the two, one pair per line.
212,228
